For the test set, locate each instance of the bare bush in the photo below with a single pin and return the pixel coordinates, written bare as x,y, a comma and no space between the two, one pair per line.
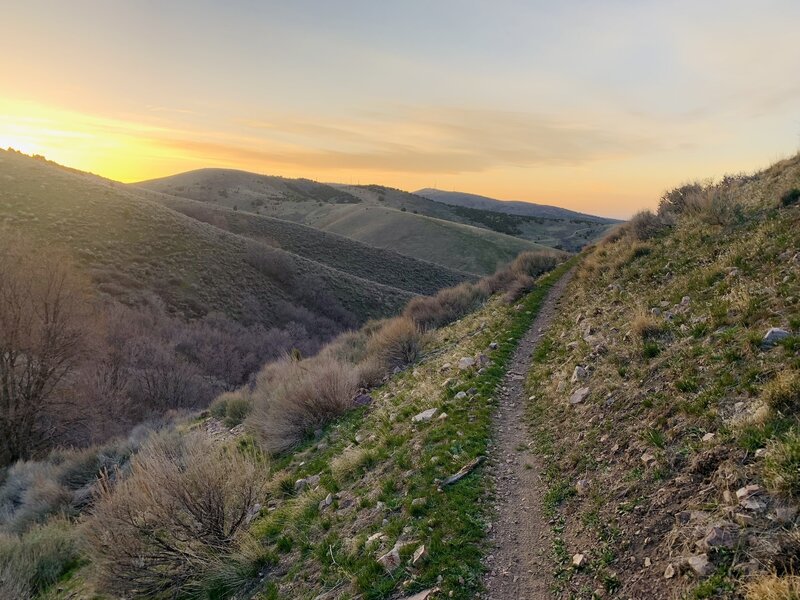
397,343
645,225
46,329
445,307
292,399
646,326
165,528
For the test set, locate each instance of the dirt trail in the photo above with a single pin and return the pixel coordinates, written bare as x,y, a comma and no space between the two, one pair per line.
519,561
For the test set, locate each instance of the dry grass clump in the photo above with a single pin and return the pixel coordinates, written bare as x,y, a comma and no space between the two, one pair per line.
782,466
398,343
31,563
782,394
773,587
167,528
709,203
293,399
646,326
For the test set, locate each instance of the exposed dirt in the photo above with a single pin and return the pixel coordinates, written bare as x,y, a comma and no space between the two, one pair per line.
519,563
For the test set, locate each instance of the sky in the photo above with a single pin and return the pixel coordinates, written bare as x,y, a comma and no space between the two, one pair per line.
597,106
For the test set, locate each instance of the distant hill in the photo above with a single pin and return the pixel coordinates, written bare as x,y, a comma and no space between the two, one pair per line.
511,207
134,247
380,217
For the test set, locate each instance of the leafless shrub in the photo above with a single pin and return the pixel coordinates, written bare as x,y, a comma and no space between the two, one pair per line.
46,333
645,225
292,399
167,527
445,307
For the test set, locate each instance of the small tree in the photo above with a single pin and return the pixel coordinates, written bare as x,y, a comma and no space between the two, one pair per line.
45,333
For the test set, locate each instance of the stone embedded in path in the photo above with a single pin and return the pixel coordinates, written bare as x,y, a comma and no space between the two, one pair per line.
578,560
425,415
773,336
579,395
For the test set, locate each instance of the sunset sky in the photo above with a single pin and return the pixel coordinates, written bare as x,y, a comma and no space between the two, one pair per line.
592,105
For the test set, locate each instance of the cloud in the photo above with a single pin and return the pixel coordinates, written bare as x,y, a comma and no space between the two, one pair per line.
417,140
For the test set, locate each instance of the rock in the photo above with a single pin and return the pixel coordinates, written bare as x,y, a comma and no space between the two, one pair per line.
310,482
582,487
685,301
423,595
362,400
375,537
416,502
648,562
579,395
461,395
784,515
773,336
360,437
760,453
390,561
747,491
708,437
493,346
721,535
419,555
578,560
743,519
669,572
579,374
648,459
579,318
700,564
442,417
655,311
326,502
445,367
425,415
466,363
482,360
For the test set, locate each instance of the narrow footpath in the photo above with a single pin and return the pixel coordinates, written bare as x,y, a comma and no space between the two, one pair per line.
519,563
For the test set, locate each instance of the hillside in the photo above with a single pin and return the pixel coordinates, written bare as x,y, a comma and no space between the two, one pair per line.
133,247
336,251
468,240
665,413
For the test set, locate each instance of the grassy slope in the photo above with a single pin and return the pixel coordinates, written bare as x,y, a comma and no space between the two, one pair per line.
460,247
133,247
474,242
376,462
371,263
702,372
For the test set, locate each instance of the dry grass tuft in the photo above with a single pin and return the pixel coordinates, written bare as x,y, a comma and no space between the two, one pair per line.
782,394
772,587
293,399
782,466
646,326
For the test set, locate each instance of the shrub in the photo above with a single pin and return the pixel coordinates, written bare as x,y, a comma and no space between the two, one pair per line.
231,407
294,399
445,307
782,394
782,466
521,285
645,225
167,528
398,343
678,200
790,197
31,563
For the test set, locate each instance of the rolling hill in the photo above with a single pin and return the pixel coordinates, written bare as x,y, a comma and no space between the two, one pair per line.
134,247
378,216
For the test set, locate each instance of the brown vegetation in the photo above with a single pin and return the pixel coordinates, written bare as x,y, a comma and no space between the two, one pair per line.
397,343
46,332
166,528
292,399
